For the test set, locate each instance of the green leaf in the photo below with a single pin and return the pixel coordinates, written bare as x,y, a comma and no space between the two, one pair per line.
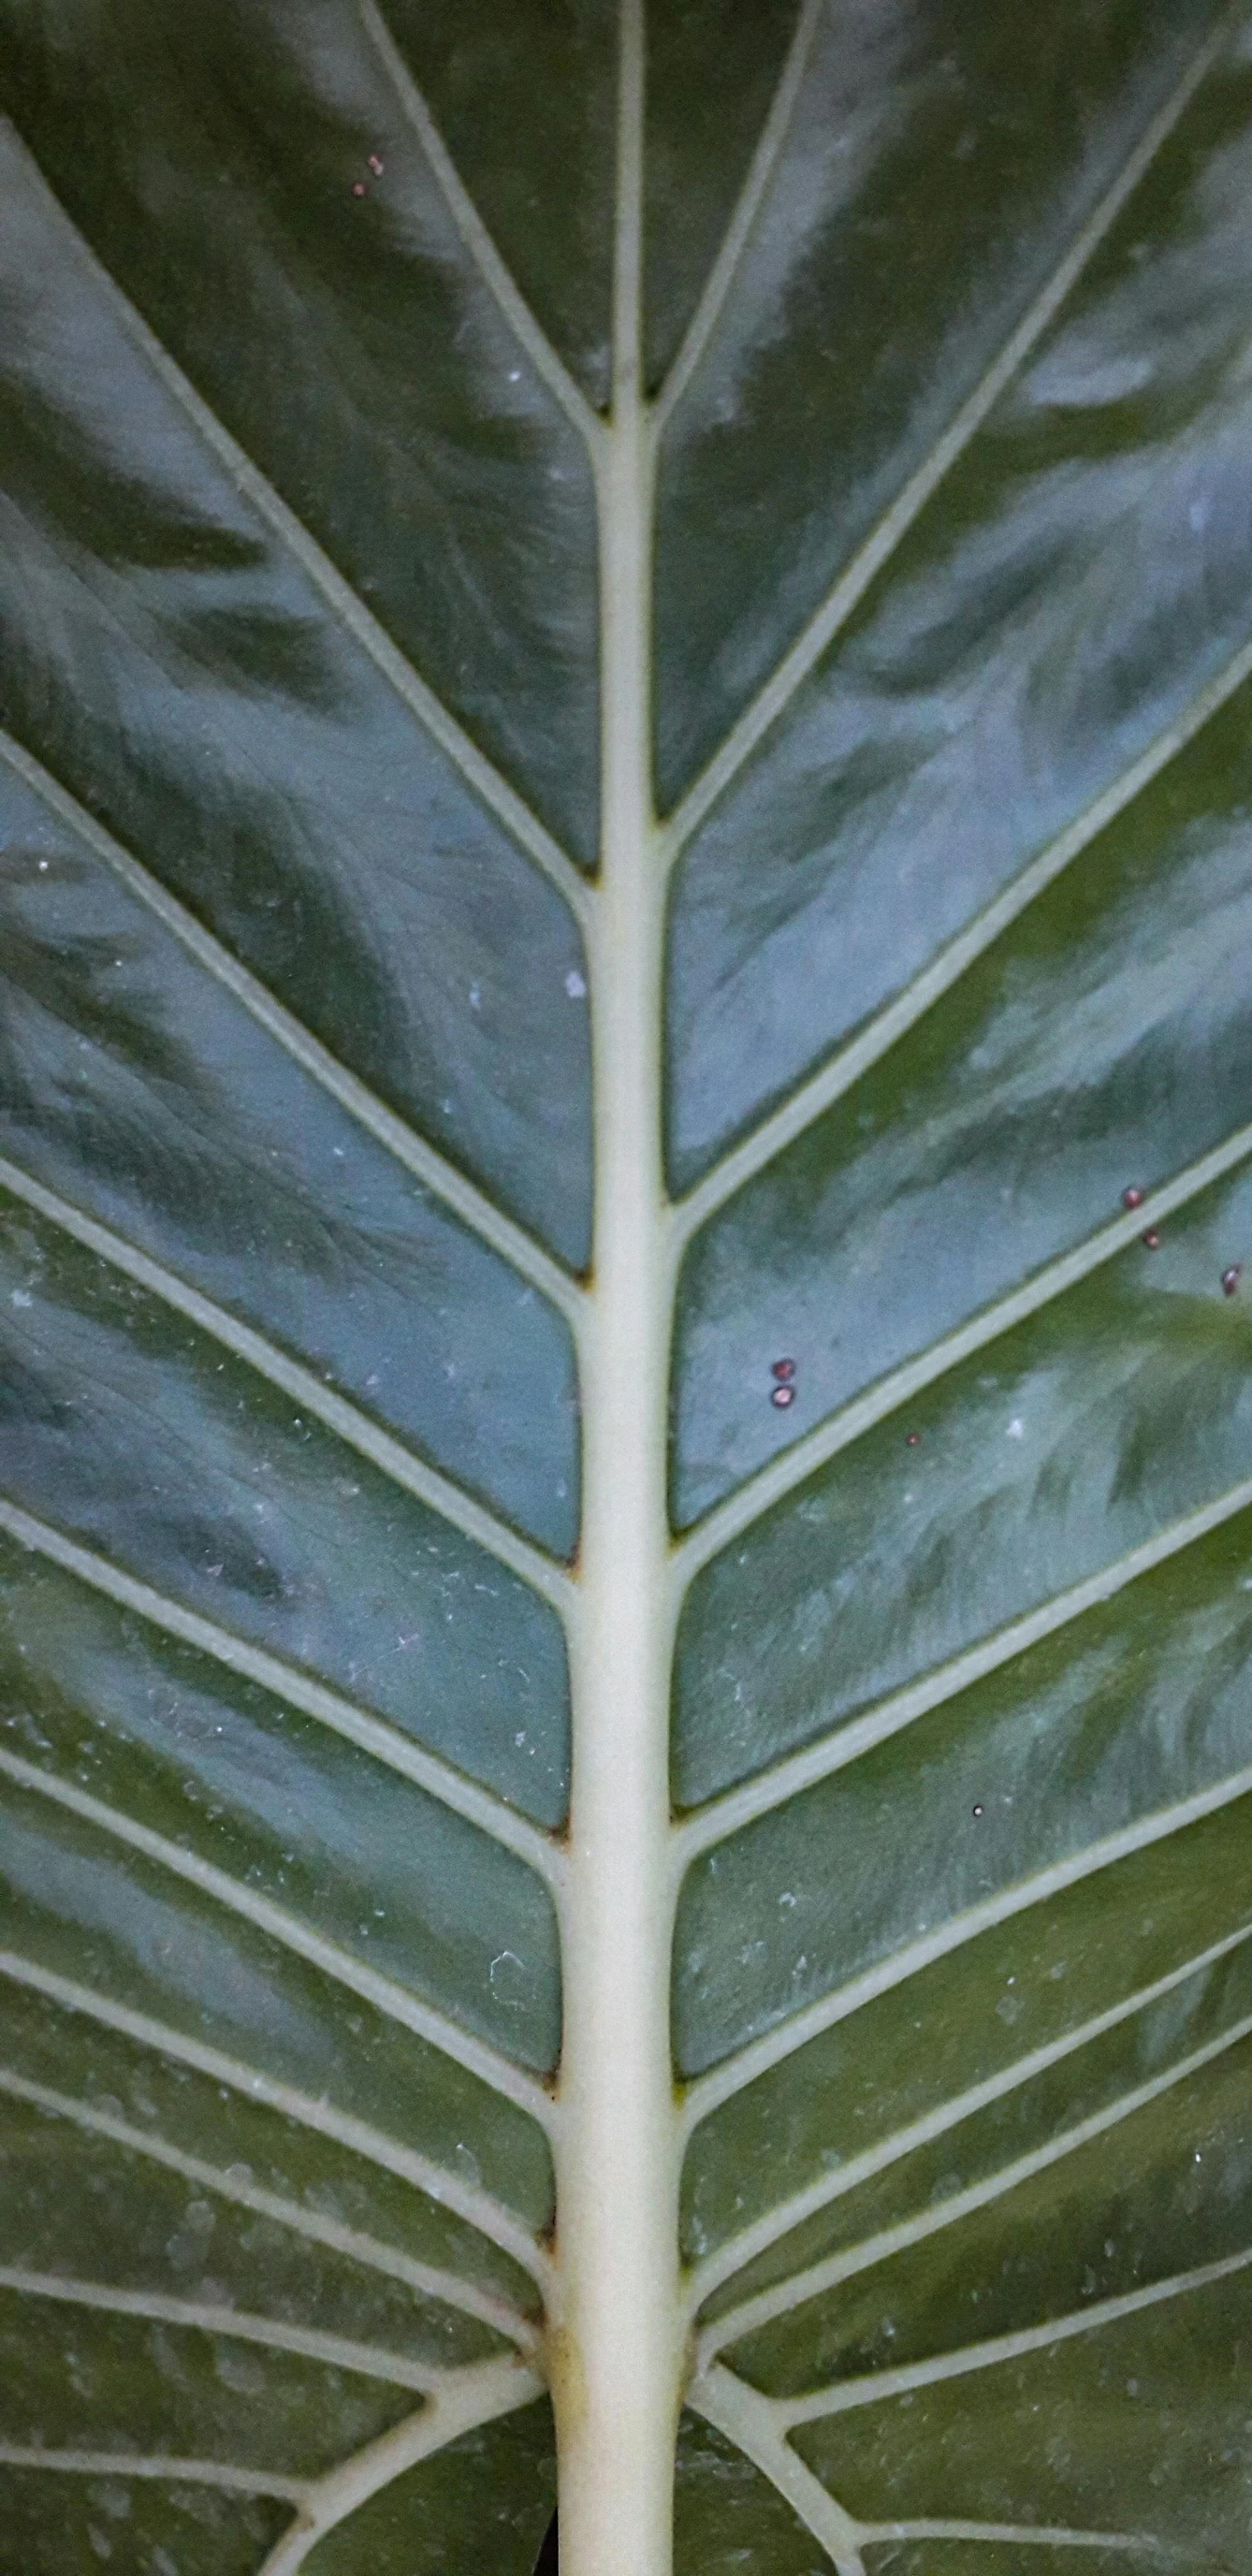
625,1257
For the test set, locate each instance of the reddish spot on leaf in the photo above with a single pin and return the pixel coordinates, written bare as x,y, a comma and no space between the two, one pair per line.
376,165
782,1396
911,1439
1152,1239
1231,1278
1132,1198
358,187
783,1370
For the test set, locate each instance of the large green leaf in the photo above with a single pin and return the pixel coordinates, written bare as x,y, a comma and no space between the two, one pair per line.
625,1446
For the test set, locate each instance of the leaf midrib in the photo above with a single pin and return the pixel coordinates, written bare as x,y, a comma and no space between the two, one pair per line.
1175,108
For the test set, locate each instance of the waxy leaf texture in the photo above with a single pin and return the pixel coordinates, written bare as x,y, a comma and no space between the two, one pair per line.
625,1014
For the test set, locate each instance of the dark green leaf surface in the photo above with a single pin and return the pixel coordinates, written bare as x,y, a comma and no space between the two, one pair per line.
485,2502
306,331
55,2523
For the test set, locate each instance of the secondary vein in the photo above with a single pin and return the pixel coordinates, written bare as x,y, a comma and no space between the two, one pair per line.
502,287
876,550
307,2343
772,1483
873,2388
816,2278
345,603
234,2185
764,163
387,1996
468,1202
231,2475
741,2250
788,1779
370,1734
887,1026
319,2116
428,1484
478,2395
750,2422
793,2031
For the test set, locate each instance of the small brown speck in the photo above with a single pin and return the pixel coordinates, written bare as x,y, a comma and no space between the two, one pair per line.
1151,1240
1231,1278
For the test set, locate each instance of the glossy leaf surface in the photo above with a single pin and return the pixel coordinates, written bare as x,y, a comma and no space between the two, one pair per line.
348,560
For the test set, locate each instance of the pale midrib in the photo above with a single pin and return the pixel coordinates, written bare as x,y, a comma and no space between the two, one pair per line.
772,1483
616,2344
320,2117
369,1734
817,2278
427,2280
387,1997
833,1752
743,2067
520,317
836,1077
743,2249
344,602
467,2398
873,2389
200,2316
232,2477
532,836
877,549
478,1213
338,1412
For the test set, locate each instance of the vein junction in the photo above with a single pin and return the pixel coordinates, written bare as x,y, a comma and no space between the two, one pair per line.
622,1656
